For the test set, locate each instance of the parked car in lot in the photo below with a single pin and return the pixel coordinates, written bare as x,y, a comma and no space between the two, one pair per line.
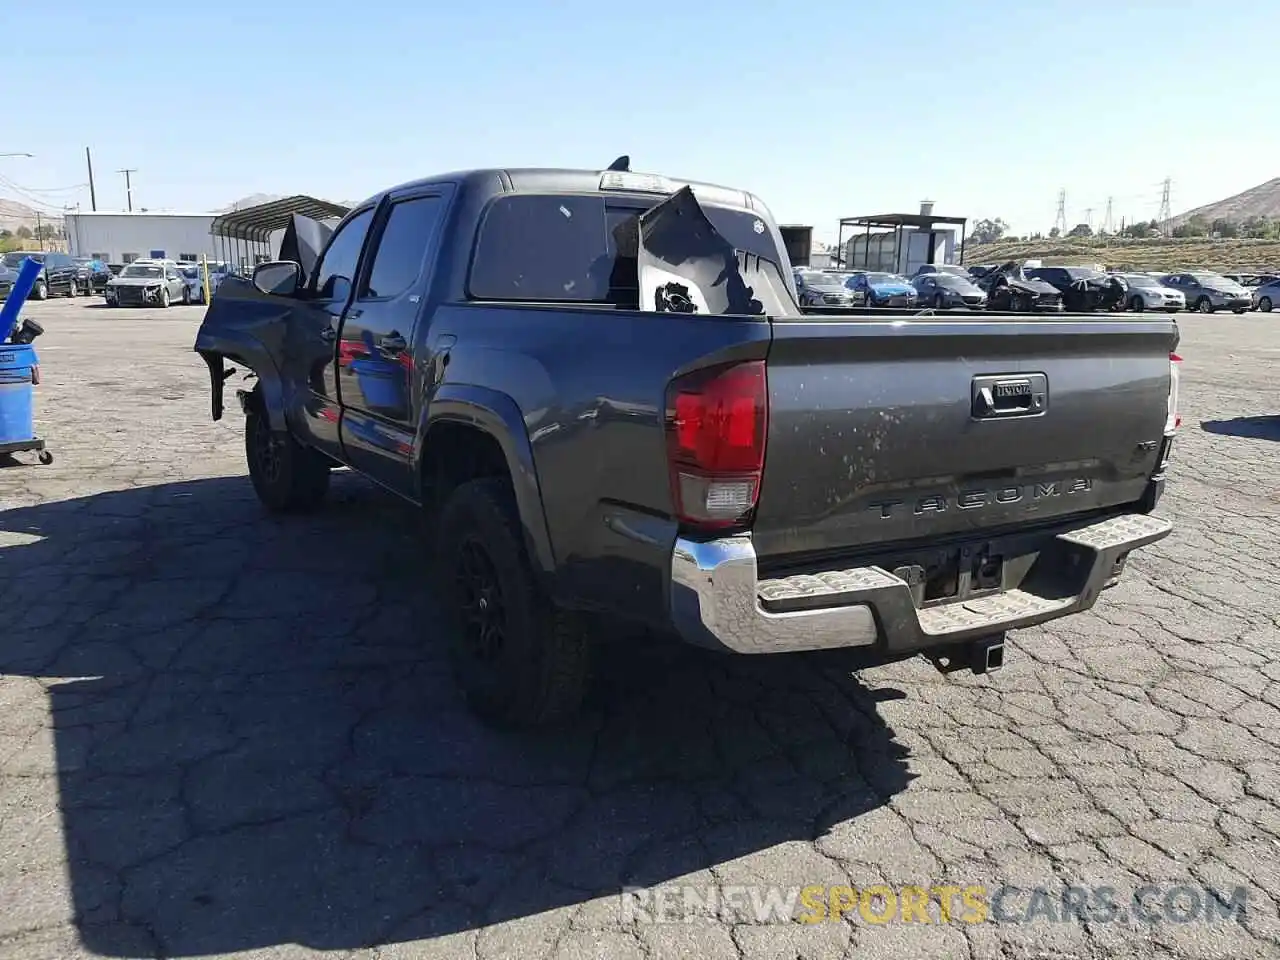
877,289
1083,288
824,289
1208,292
705,460
943,290
58,273
1266,296
92,275
1148,293
152,283
1008,287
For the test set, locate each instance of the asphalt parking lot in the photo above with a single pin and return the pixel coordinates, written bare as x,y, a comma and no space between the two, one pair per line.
223,733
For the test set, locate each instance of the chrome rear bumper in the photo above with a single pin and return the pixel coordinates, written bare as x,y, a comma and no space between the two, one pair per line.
717,599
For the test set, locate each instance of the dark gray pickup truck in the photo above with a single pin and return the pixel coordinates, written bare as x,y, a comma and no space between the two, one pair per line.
600,389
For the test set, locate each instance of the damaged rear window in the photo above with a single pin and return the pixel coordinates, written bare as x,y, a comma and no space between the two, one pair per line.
579,249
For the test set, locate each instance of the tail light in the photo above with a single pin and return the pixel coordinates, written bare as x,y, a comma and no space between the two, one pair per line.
717,420
1175,420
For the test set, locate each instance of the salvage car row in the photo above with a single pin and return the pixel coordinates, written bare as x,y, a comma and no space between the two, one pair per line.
1026,289
144,282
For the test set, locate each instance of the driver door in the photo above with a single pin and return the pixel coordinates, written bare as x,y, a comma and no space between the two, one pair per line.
311,337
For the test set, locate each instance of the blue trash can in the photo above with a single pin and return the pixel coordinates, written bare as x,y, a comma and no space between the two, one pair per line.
17,380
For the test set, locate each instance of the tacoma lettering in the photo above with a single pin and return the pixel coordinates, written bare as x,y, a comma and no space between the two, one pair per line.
976,499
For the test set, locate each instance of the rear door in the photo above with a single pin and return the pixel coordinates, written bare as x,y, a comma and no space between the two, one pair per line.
883,432
376,344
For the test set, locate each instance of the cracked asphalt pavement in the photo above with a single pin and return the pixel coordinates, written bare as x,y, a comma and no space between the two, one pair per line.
227,734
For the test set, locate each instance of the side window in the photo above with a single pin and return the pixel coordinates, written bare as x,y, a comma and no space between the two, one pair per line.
337,268
406,241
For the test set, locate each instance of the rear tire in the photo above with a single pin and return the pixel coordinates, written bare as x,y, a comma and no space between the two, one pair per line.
287,477
519,661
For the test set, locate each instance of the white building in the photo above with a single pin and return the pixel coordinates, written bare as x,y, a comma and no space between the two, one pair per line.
118,237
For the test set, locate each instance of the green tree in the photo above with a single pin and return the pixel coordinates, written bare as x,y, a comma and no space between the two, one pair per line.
988,231
1080,230
1196,226
1227,229
1257,228
23,233
1055,233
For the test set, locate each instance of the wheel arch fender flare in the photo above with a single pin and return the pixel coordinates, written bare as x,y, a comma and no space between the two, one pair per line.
496,414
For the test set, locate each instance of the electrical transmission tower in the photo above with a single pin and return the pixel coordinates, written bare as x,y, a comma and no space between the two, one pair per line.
1060,221
1165,214
1088,216
1108,225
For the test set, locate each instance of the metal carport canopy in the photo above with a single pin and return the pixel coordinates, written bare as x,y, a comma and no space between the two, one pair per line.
258,223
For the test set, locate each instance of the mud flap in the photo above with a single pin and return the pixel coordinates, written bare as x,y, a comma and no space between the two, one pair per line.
687,266
218,376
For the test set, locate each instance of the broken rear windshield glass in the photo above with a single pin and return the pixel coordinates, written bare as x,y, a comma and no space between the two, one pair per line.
578,249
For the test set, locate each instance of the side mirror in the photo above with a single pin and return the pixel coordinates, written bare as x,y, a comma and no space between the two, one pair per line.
278,278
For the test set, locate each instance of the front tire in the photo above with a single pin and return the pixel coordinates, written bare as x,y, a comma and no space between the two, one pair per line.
186,296
1265,304
73,290
164,298
1137,304
40,291
1204,305
939,302
519,661
287,477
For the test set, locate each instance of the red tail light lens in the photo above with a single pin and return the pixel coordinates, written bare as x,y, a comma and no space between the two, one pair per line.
717,421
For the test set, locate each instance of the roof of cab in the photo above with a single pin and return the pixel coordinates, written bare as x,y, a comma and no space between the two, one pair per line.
555,180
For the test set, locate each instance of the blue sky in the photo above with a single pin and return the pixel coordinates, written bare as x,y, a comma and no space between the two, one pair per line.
986,108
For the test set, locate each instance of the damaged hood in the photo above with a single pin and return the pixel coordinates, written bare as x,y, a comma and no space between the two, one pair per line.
135,281
686,266
1013,275
303,241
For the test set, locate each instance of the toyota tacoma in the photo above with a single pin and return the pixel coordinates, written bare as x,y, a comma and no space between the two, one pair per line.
600,389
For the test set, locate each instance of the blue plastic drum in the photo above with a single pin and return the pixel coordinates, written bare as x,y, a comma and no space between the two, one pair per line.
17,366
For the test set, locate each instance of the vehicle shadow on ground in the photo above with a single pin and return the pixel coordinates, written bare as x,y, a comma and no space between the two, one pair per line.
1249,428
258,742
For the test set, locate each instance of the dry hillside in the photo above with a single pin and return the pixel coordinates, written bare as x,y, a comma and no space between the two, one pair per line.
14,215
1174,254
1260,201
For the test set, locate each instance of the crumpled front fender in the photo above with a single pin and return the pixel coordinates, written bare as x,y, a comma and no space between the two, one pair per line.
244,326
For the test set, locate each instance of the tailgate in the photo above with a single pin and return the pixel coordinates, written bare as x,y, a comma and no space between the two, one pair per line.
888,430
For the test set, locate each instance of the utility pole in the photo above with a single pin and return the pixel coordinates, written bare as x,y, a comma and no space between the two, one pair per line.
1165,214
1060,221
93,196
128,184
39,230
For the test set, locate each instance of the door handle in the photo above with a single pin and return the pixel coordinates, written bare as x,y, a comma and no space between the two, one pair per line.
393,343
328,334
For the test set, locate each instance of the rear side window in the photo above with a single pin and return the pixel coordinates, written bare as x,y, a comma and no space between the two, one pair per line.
579,249
406,240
